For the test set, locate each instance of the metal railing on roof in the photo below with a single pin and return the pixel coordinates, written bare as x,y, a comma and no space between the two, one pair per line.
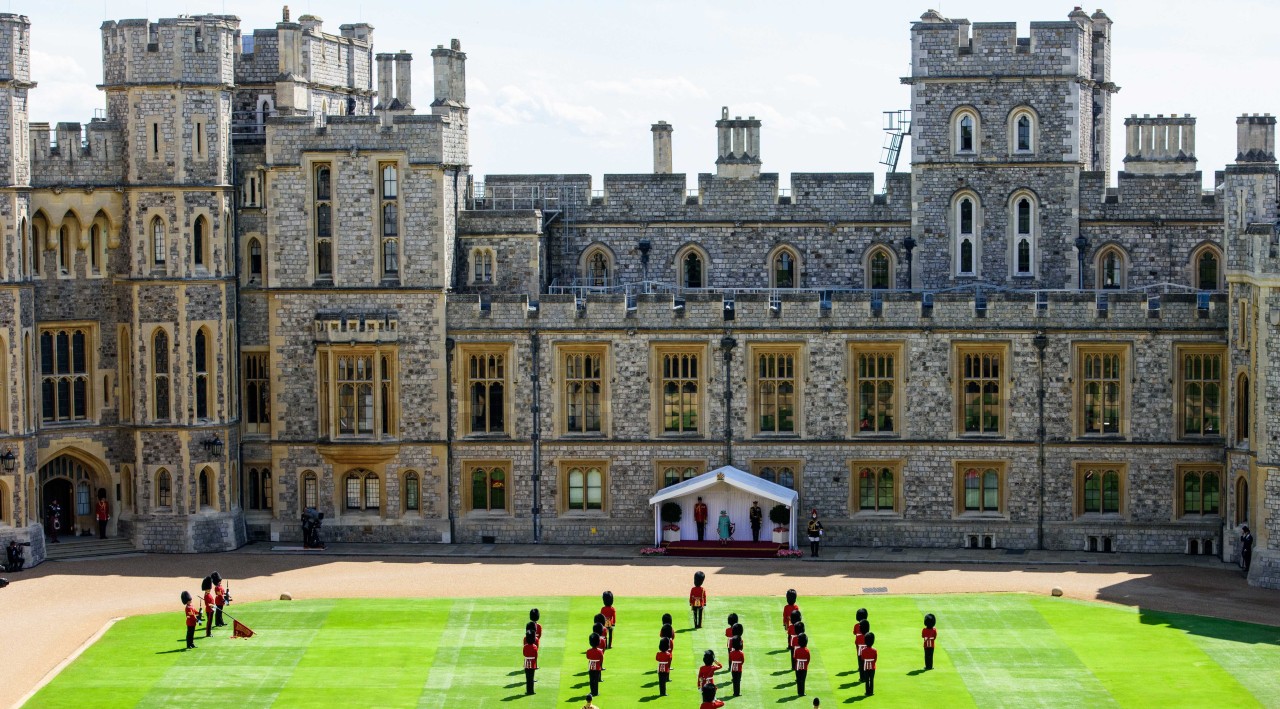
582,287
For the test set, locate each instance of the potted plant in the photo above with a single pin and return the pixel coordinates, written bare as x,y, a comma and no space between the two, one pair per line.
780,515
671,513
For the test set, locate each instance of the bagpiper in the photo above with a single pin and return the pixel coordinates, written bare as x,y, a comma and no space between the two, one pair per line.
697,598
610,615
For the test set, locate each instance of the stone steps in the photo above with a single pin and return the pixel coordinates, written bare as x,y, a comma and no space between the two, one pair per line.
88,549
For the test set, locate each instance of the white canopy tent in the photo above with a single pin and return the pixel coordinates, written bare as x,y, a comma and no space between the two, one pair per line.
727,489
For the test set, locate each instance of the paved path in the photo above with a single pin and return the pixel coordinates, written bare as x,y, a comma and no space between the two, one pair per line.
50,611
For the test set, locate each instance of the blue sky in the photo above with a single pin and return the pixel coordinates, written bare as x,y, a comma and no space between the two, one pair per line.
571,86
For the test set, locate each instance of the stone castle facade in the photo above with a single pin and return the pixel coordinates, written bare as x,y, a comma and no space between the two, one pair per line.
260,282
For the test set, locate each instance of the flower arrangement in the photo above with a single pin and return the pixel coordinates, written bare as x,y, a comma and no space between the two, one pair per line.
671,528
790,553
653,551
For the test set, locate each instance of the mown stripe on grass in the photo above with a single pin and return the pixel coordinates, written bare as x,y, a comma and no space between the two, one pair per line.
1251,653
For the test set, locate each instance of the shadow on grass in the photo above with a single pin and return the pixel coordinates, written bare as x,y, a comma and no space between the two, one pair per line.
651,697
1232,630
170,652
858,698
791,698
515,697
513,686
913,673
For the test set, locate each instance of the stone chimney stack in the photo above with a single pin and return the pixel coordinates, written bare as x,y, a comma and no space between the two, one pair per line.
1160,145
1256,138
450,75
738,142
404,84
662,148
386,94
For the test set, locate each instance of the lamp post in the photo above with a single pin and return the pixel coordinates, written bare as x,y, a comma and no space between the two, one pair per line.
1082,245
909,244
8,460
214,445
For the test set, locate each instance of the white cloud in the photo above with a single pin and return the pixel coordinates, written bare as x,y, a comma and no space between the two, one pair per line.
670,87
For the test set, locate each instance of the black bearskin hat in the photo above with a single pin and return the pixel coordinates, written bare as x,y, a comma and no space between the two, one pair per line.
607,597
698,578
217,580
870,639
709,657
667,631
802,640
929,620
736,642
531,627
864,626
795,617
594,640
791,596
799,628
666,619
737,630
534,615
861,614
733,618
206,584
709,692
599,619
664,645
186,597
598,629
530,638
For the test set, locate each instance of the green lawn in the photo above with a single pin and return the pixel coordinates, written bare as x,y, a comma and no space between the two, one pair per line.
993,650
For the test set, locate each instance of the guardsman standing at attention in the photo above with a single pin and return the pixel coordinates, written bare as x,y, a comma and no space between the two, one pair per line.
728,632
814,530
698,598
610,616
736,658
219,598
787,609
860,641
797,631
930,635
193,618
530,661
700,518
595,663
757,520
709,700
1246,547
706,673
802,662
207,586
664,665
598,630
869,657
534,617
668,633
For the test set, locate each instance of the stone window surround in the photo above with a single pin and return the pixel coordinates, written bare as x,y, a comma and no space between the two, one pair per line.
564,467
1001,467
1018,112
879,248
91,346
464,351
1099,265
796,465
314,165
1033,237
204,378
661,465
6,509
467,466
381,201
560,382
207,487
490,260
382,383
1181,470
124,380
954,131
799,375
895,348
585,261
309,479
363,474
657,350
975,235
1242,422
1193,264
405,476
797,266
246,354
1183,348
895,466
1083,467
1240,499
959,348
164,488
683,253
200,137
1079,351
260,487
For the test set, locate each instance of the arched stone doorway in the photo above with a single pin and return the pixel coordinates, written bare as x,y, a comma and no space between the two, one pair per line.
74,484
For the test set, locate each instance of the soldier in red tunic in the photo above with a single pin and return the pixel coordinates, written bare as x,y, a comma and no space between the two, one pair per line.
698,598
791,626
220,598
595,663
709,700
700,518
664,665
728,631
791,606
610,616
860,643
598,630
930,635
668,633
207,587
736,659
193,619
530,661
798,630
708,669
737,633
534,617
869,656
801,662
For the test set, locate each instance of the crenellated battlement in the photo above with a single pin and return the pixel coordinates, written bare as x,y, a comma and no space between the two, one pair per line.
427,138
942,47
198,50
76,154
15,50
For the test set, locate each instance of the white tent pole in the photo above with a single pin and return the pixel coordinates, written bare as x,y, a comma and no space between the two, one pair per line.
657,527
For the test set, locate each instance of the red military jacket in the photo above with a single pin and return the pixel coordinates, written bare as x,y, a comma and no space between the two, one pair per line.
697,596
930,636
706,671
664,662
713,704
208,598
859,640
802,658
869,656
219,596
786,614
595,659
530,656
728,638
537,634
736,658
610,616
700,512
192,614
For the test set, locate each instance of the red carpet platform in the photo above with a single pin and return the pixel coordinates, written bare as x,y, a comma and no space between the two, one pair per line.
735,550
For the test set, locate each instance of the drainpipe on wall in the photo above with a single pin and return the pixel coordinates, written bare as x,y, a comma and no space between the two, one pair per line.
536,437
448,435
1040,342
727,343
